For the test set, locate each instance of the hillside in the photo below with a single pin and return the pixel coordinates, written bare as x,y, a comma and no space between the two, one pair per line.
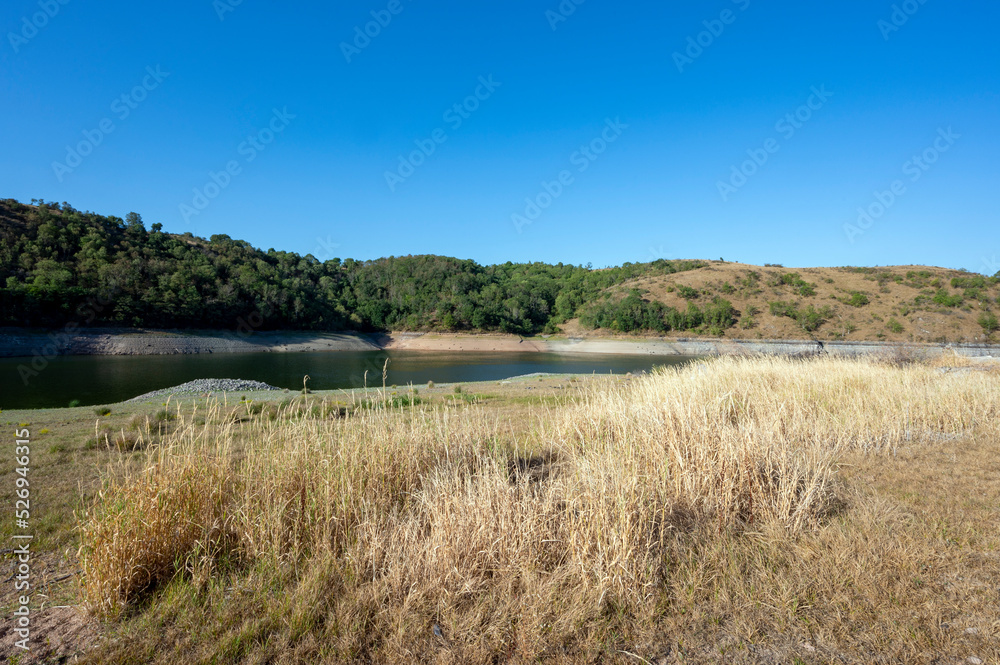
893,303
60,266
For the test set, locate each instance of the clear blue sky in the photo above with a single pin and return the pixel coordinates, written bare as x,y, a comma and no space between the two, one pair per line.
654,191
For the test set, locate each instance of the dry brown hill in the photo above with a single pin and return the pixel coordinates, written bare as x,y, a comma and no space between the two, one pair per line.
894,303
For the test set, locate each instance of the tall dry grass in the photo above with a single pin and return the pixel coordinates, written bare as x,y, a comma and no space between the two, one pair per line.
522,532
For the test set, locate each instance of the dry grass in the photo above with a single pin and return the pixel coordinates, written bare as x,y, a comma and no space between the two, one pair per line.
888,299
701,513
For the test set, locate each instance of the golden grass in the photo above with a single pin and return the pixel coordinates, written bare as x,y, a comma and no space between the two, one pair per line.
702,511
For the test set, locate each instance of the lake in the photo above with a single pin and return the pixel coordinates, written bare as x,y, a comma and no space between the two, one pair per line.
107,379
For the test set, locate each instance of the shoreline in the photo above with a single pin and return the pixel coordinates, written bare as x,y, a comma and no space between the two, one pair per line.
21,343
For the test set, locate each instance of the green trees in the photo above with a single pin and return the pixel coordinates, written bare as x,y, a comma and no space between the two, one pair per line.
55,262
632,313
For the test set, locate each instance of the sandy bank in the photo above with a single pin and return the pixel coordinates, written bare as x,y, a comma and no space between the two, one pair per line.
663,346
25,343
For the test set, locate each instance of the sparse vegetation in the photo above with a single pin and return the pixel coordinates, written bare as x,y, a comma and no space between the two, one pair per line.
682,508
809,318
943,297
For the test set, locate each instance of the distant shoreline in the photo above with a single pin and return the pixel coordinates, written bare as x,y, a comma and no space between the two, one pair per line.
31,343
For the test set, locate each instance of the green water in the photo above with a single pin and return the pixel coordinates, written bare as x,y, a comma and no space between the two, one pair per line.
107,379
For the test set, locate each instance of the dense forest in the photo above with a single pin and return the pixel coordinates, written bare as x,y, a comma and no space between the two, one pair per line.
61,265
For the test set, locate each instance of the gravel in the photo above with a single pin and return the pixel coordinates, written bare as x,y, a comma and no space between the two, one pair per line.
200,386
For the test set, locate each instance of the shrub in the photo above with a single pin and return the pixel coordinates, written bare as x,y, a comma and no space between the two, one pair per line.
977,282
802,287
857,299
687,292
781,308
989,322
720,314
102,411
942,297
811,318
894,326
74,403
977,294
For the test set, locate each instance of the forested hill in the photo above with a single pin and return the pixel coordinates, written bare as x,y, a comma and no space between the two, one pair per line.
60,265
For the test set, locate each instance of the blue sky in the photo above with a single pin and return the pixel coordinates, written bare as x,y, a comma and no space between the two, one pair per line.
208,85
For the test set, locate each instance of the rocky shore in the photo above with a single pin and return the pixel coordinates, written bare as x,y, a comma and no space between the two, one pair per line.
201,386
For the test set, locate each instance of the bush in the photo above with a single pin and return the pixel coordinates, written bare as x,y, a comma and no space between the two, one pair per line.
977,282
802,287
74,403
894,326
811,318
857,299
687,292
781,308
989,322
720,314
942,297
102,411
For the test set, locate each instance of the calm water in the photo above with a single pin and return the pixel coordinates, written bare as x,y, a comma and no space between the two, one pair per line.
106,379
